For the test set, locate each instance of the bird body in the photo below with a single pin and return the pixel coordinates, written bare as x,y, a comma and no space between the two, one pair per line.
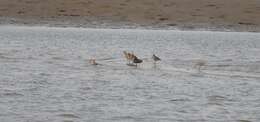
136,60
126,54
131,58
199,63
93,62
155,58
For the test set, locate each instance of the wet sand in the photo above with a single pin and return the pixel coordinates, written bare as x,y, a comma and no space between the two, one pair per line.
237,15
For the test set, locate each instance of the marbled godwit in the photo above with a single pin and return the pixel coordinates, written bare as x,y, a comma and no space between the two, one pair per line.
129,57
93,62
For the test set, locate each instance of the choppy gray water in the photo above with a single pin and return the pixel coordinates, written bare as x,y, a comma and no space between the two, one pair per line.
45,76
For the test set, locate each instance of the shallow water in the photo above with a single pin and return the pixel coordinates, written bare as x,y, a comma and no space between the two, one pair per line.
45,75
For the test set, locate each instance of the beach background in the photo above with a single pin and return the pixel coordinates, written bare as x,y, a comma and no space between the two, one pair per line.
236,15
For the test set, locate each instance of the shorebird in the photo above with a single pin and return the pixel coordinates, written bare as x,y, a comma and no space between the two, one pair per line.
137,61
93,62
155,59
132,59
129,57
199,63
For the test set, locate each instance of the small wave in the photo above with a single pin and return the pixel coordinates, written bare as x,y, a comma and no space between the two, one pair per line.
179,100
216,97
243,120
9,59
44,74
68,121
68,115
58,58
220,65
11,93
216,100
109,58
118,118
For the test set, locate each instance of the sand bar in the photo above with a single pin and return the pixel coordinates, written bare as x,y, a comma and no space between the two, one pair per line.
237,15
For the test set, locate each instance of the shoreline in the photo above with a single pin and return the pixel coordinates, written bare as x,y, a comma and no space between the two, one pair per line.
112,24
213,15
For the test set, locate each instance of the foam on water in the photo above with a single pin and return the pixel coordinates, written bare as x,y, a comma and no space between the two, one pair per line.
45,75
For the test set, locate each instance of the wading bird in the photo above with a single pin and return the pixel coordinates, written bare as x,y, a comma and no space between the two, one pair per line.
137,61
93,62
199,63
129,57
155,59
132,59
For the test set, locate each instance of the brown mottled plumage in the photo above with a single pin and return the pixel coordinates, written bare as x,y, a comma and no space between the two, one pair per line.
129,56
93,62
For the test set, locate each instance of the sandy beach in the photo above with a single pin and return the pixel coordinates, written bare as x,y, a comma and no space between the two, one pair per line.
237,15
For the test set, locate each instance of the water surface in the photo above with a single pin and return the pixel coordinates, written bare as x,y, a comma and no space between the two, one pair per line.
45,75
